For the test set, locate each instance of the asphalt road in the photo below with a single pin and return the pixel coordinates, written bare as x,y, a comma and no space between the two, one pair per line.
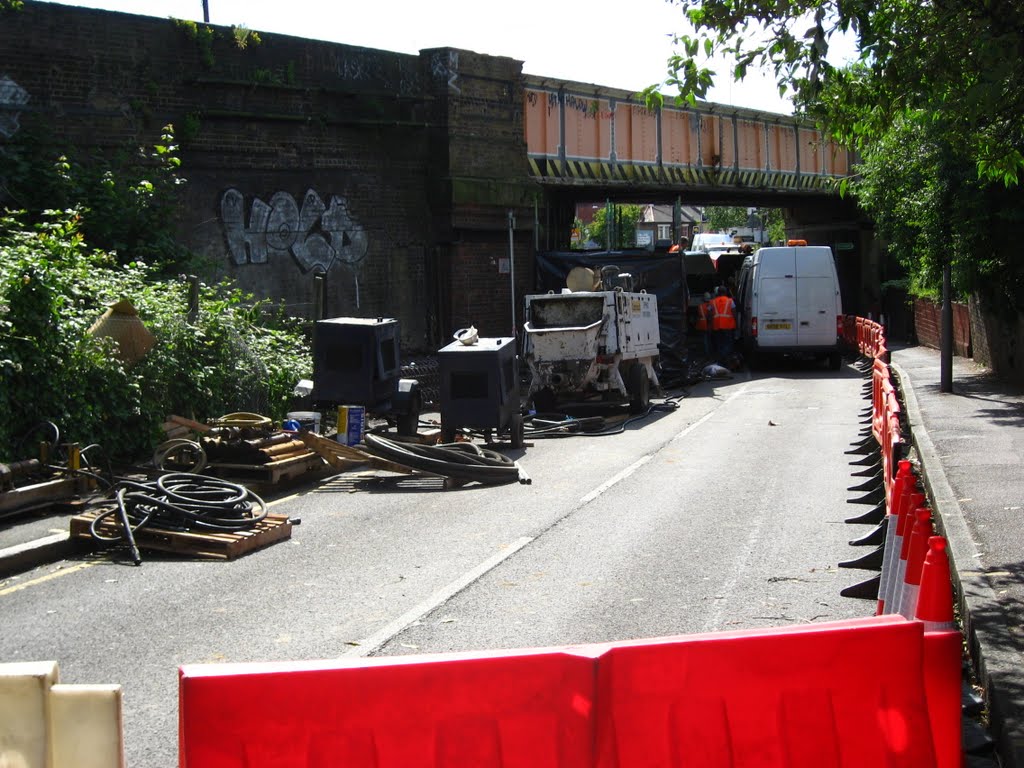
726,512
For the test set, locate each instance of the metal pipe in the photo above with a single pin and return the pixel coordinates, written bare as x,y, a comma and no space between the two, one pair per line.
512,267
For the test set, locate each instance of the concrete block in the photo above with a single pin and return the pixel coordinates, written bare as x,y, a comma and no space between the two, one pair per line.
24,712
86,726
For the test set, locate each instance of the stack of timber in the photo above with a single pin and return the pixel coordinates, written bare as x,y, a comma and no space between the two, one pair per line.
207,545
272,457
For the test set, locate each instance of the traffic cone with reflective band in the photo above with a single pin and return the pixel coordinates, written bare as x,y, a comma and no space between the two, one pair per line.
935,600
904,475
897,566
915,561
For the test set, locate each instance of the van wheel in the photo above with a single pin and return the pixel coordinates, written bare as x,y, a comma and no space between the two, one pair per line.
639,388
835,361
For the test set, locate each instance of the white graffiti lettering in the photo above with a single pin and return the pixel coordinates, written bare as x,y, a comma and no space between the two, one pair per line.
318,236
447,68
12,97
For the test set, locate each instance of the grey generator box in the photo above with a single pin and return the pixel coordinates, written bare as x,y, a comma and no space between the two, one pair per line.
355,360
479,388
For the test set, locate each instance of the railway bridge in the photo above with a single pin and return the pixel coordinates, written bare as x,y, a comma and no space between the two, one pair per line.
343,180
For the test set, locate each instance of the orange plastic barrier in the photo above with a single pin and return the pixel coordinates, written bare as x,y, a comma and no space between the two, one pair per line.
791,696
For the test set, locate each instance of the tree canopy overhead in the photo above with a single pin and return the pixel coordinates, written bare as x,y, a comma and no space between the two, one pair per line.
932,101
956,63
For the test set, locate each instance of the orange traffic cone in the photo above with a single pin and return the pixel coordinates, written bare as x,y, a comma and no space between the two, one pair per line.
896,565
915,561
935,600
904,475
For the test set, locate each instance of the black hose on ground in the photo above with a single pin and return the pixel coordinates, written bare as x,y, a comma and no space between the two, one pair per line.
180,501
465,462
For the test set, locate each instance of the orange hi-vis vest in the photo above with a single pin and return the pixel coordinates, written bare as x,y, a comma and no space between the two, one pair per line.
703,309
722,317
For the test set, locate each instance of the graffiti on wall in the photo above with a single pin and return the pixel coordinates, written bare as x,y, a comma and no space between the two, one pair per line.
12,98
318,235
445,66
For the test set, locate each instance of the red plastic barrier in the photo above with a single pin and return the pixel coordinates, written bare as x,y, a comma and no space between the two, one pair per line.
791,696
799,699
515,709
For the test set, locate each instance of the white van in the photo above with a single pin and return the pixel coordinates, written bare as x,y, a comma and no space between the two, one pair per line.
789,303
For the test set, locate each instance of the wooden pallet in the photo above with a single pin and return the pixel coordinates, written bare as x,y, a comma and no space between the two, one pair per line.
207,545
272,471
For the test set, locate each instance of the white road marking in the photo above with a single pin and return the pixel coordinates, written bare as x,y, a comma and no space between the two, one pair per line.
375,641
616,479
709,414
646,458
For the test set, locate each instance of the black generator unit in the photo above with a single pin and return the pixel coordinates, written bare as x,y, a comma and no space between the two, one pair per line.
357,361
479,388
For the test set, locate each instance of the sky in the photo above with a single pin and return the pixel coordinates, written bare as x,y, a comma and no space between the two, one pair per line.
606,42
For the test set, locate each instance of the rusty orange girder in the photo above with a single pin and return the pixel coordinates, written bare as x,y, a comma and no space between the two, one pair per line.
577,134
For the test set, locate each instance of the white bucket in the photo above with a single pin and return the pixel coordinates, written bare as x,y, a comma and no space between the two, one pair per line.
309,421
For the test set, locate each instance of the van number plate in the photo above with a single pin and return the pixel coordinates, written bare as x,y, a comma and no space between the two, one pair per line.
778,326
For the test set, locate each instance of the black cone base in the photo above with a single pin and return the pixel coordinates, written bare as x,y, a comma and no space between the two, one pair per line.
874,537
865,590
871,517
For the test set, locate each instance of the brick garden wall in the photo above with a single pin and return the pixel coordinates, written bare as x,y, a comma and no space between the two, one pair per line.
928,326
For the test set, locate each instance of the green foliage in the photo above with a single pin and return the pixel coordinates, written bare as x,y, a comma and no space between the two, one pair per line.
202,35
722,218
725,218
127,203
932,209
615,225
11,5
932,103
245,36
239,355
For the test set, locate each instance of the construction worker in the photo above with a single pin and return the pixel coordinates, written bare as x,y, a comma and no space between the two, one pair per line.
705,310
723,324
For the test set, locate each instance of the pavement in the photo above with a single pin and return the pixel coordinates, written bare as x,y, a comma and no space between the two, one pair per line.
968,446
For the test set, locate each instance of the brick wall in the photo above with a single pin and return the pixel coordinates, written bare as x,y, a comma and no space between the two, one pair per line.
998,339
391,173
928,326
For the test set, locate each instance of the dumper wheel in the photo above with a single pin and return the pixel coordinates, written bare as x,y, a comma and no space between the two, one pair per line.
517,432
639,387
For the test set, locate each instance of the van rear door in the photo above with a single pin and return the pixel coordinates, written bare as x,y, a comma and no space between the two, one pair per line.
817,302
776,287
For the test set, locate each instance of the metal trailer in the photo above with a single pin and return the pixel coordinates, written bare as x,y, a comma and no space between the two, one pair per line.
587,342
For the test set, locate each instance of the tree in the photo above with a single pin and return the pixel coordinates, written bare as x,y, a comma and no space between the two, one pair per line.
726,217
956,62
934,104
622,228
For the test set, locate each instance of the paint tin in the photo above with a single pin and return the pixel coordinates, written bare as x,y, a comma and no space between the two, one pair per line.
308,421
351,424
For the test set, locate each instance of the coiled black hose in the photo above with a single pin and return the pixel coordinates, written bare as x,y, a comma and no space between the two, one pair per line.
179,501
465,462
